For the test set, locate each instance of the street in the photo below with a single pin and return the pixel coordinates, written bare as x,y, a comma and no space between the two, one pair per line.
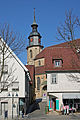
35,116
39,114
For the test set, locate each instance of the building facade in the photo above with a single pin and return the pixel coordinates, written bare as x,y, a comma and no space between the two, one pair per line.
61,68
56,71
33,49
15,94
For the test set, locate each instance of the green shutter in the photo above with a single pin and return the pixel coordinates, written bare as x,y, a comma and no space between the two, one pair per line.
57,104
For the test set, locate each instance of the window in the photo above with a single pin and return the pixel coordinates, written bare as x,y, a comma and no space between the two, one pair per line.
46,76
5,69
38,83
3,86
15,86
57,63
39,62
4,107
30,53
54,79
0,49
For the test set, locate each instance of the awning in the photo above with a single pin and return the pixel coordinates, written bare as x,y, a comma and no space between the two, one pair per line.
71,95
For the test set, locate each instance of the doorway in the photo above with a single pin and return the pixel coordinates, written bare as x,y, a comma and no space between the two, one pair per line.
4,107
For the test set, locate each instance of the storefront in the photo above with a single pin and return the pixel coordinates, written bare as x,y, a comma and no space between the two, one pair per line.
53,103
72,99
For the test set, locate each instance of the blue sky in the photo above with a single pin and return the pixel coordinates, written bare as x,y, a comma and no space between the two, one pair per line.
49,13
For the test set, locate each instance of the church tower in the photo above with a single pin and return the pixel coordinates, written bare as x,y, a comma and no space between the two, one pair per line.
35,46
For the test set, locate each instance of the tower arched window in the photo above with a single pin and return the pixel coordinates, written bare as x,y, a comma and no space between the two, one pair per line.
39,62
30,53
38,83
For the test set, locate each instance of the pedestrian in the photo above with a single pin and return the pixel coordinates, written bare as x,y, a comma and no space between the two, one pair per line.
23,113
64,110
67,107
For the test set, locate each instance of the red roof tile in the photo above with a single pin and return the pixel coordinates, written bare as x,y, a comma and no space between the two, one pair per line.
31,70
60,51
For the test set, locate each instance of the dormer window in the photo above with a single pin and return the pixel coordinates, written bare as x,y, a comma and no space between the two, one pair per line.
57,62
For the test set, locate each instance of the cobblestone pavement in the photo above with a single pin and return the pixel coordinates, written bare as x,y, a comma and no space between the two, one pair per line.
40,115
48,117
54,117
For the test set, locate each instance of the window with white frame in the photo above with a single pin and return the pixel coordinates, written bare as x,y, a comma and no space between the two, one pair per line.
15,86
57,62
53,78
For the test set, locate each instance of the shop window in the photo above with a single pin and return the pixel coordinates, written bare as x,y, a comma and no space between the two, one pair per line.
38,83
54,79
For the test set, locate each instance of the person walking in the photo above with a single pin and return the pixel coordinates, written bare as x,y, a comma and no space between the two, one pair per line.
23,113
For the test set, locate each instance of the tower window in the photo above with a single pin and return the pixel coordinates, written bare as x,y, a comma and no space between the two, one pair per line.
39,40
30,53
39,62
38,83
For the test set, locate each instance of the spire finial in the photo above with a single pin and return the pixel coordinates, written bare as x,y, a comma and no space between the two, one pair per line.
34,17
34,13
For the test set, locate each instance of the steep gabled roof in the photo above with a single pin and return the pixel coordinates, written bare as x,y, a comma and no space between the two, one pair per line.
71,61
14,55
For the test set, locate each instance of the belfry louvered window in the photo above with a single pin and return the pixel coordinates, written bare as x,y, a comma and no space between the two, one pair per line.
30,53
38,83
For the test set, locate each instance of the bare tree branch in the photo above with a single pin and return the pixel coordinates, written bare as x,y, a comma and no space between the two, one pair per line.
15,42
68,32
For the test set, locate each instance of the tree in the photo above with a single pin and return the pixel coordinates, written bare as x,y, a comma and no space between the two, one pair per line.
68,32
9,42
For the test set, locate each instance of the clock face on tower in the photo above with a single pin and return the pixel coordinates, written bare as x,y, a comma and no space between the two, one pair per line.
39,40
31,39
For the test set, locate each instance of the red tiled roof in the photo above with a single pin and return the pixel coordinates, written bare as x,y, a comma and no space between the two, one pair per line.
31,70
67,44
60,51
